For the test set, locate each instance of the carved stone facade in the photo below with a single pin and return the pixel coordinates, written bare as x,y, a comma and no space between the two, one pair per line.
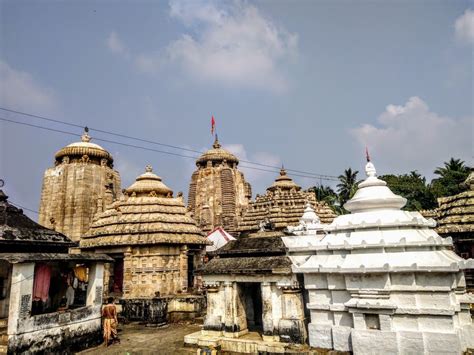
218,192
154,243
282,206
81,183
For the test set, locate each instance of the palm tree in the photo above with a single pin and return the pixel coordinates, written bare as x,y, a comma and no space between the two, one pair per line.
452,166
451,176
347,185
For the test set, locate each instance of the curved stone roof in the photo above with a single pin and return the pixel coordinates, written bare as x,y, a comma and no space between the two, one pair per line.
217,154
84,147
282,205
17,228
146,214
456,213
149,184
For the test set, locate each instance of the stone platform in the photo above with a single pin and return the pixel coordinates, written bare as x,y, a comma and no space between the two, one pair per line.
249,343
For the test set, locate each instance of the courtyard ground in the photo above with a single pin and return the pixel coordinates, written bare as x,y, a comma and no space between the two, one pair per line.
138,339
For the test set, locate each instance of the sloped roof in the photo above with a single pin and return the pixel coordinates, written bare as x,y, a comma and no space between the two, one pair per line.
17,228
456,213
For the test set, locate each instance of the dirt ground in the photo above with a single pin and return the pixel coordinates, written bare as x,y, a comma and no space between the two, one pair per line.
138,339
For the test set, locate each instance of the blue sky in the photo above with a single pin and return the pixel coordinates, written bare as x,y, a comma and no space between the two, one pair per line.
307,84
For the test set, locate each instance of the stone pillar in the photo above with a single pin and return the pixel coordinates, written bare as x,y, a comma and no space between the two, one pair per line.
229,299
21,295
291,327
183,267
127,273
267,312
213,321
95,289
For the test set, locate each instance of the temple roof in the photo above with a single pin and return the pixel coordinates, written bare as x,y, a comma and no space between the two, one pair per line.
282,205
376,237
283,182
146,214
84,147
17,229
217,154
456,213
149,183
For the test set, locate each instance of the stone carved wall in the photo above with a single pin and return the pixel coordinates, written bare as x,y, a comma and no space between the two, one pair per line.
218,193
77,187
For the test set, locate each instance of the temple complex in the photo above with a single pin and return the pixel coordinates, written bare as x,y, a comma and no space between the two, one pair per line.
218,192
81,183
50,299
282,205
154,243
455,217
382,280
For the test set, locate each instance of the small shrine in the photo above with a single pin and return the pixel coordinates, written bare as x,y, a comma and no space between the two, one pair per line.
381,280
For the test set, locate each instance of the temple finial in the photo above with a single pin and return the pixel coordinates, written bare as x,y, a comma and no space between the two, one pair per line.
148,168
367,156
282,170
216,144
85,136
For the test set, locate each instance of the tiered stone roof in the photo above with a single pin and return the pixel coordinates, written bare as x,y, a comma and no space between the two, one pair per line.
282,205
456,213
146,214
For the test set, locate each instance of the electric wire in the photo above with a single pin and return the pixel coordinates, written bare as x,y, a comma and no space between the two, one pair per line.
323,176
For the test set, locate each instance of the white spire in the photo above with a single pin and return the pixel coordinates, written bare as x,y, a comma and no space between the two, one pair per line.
373,194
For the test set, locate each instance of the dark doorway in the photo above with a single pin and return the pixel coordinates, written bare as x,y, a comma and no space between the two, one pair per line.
116,284
253,305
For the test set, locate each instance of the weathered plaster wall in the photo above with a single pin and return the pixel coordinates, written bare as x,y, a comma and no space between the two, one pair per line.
57,331
5,273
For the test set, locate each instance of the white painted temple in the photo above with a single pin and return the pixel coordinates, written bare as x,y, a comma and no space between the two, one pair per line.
382,281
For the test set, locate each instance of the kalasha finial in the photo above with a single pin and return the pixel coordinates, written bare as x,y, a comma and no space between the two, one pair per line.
282,170
148,168
216,144
85,136
367,156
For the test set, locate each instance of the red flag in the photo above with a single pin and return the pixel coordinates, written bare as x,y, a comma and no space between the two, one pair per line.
213,125
367,154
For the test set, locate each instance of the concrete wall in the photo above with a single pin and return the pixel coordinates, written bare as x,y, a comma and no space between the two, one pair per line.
57,331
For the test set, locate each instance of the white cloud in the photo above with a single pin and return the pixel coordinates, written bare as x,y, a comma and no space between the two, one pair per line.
115,44
20,91
229,44
411,137
464,27
252,173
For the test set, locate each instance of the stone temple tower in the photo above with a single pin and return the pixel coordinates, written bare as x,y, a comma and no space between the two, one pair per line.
218,193
81,183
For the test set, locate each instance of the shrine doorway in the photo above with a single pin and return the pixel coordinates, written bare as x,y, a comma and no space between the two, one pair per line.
253,305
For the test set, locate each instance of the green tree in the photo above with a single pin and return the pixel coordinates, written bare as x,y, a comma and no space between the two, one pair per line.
347,185
414,188
328,195
451,176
